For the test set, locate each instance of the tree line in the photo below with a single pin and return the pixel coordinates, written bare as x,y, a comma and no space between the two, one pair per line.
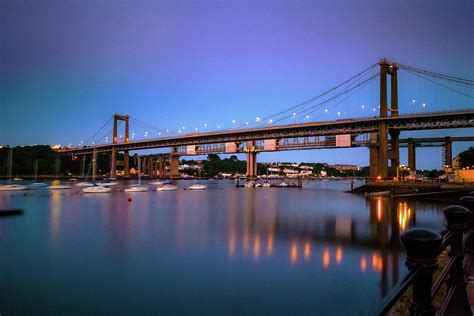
25,158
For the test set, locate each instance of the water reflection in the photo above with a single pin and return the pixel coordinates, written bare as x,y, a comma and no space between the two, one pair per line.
376,236
55,215
193,247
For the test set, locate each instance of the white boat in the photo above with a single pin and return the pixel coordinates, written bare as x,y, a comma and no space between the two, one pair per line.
156,182
249,184
13,187
138,188
283,184
38,185
58,187
85,184
96,189
17,179
266,185
92,187
108,184
167,187
198,187
257,185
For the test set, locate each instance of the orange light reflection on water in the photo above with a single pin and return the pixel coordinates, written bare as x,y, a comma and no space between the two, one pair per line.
326,258
55,213
339,255
307,250
270,244
363,264
379,209
294,253
256,247
377,262
404,214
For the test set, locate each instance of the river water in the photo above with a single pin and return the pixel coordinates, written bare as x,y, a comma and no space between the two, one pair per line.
226,250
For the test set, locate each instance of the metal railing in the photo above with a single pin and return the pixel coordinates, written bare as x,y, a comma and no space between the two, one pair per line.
423,248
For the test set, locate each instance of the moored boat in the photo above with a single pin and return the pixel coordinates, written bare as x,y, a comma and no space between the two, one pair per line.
38,185
198,187
13,187
84,184
108,184
156,182
96,189
58,187
167,187
138,188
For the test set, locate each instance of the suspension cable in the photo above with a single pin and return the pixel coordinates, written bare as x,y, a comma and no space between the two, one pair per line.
437,75
440,84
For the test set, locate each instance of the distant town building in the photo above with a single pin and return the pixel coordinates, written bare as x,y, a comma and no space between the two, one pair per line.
341,167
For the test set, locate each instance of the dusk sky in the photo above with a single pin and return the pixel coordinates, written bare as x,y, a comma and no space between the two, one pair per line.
67,66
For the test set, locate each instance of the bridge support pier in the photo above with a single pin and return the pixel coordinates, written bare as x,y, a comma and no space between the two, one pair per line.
126,164
394,153
251,173
411,154
150,167
448,152
113,163
162,167
374,154
174,164
383,151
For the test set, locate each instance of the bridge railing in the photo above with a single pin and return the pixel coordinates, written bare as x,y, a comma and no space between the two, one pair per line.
423,248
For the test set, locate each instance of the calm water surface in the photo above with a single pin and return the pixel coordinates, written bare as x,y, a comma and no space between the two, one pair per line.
277,251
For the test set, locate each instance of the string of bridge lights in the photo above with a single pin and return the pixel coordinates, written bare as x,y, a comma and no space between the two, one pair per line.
302,111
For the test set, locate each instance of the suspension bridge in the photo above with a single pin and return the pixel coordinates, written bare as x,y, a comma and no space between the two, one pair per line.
292,129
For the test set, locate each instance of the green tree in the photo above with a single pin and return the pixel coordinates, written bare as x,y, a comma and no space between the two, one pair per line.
466,158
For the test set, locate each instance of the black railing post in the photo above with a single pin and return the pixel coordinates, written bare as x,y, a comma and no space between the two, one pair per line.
458,218
467,202
422,246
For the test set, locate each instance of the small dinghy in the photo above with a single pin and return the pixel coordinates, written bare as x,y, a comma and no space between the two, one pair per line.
11,212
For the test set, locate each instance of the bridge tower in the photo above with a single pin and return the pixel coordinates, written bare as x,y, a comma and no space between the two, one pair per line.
116,140
379,151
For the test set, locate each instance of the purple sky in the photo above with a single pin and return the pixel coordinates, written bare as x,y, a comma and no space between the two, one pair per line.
67,66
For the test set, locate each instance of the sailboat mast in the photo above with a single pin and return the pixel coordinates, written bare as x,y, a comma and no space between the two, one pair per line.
139,171
83,166
36,169
10,163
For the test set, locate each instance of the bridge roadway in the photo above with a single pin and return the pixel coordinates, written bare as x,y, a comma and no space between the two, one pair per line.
441,120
